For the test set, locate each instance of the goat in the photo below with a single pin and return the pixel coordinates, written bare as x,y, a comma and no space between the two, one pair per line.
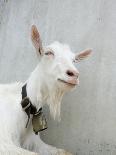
54,75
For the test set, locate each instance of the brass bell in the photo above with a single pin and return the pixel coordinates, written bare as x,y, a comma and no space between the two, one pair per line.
39,122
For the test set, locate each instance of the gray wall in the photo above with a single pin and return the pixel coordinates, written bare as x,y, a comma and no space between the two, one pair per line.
88,125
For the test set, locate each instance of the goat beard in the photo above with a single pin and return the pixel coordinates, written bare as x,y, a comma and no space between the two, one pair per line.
54,101
52,95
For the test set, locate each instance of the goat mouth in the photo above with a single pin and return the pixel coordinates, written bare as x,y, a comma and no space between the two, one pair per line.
70,84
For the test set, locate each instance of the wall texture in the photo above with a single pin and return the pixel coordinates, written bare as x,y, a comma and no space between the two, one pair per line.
88,125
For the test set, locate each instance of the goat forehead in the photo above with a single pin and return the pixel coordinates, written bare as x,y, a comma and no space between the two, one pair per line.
61,50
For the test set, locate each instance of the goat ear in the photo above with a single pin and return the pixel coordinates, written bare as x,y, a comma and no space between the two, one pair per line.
35,37
82,55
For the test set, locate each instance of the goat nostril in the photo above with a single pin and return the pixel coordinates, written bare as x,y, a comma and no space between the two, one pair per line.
70,73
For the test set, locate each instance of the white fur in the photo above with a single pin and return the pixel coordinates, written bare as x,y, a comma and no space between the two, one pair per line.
42,87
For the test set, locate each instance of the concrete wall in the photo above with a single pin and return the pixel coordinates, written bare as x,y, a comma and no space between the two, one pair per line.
88,125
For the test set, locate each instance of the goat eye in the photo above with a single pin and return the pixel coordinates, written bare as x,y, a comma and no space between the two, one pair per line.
74,61
49,53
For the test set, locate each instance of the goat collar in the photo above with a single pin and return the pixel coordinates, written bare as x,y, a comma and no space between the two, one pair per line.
38,119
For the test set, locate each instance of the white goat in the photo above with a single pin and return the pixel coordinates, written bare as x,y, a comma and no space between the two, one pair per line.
54,75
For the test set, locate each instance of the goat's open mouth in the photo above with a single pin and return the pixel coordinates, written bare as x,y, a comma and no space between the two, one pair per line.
70,84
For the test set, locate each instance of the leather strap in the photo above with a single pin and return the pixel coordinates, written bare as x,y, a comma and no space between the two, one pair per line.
26,104
39,122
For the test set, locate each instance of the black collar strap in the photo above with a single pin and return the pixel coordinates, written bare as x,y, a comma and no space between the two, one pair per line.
38,120
26,103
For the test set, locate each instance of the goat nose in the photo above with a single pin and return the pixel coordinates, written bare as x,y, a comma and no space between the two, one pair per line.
72,73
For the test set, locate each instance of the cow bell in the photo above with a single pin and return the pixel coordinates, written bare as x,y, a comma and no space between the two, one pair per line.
39,122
